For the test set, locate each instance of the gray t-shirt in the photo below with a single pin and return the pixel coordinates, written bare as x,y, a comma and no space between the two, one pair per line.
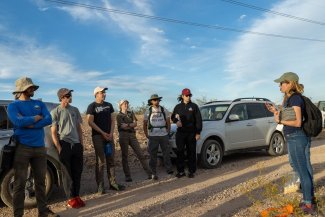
67,121
157,121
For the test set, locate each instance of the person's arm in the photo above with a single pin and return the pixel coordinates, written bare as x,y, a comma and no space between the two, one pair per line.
90,119
79,125
167,120
145,124
18,120
54,133
134,123
198,122
46,120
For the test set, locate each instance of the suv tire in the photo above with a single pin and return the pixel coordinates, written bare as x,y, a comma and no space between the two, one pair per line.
7,188
277,145
211,154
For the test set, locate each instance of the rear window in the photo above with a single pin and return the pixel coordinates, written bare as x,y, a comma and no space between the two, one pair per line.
213,112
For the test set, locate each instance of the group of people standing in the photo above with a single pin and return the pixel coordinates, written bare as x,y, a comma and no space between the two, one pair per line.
29,117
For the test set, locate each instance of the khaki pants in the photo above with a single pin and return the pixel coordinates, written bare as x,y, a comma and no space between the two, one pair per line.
129,139
99,144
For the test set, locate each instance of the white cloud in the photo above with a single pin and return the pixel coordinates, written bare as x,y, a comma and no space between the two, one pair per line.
44,62
255,61
242,17
152,43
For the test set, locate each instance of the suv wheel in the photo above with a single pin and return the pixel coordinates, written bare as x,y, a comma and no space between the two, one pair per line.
211,154
277,145
30,198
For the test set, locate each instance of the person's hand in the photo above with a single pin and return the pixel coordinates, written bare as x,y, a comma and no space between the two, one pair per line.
124,126
179,124
110,136
197,136
106,136
37,118
271,107
59,148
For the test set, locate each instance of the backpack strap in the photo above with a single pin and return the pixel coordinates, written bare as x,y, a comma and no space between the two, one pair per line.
150,127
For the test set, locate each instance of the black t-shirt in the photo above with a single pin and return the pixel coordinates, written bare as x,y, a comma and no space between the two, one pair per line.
102,116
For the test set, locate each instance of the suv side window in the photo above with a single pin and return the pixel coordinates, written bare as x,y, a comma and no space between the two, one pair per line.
240,110
256,110
5,124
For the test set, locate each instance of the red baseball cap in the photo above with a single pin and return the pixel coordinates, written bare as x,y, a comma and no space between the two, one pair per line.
186,92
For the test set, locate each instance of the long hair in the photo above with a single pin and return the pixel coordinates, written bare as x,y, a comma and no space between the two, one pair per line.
295,87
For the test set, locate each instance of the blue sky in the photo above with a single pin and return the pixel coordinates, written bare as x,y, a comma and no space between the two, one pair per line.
66,46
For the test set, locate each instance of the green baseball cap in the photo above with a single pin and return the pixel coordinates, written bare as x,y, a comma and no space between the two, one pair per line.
287,76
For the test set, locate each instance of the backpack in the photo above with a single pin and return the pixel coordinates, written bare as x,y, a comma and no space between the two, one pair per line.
312,122
150,127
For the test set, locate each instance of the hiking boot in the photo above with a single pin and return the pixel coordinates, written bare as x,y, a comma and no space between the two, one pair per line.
308,208
101,189
180,174
74,203
117,187
48,213
170,172
154,177
128,179
191,175
80,202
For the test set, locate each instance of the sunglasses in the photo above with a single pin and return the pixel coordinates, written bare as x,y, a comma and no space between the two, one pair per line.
155,100
67,96
188,95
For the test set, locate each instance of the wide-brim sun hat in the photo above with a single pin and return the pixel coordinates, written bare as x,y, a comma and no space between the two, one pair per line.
23,83
154,96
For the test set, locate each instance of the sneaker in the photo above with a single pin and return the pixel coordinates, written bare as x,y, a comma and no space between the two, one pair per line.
74,203
80,202
191,175
128,179
117,187
180,174
308,208
101,189
154,177
48,213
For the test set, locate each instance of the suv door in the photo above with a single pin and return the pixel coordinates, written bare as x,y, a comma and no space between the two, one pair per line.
239,132
261,123
5,126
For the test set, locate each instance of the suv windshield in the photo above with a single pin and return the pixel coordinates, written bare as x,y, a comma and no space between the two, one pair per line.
213,112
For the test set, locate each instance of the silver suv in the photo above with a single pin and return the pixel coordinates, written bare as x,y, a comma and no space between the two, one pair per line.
232,126
56,173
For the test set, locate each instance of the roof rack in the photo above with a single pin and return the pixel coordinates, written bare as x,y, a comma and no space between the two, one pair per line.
216,101
252,98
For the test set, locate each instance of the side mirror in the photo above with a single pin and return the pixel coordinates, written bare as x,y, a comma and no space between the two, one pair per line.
233,117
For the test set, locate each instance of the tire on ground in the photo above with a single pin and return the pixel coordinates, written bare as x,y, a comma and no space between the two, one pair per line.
211,154
277,145
7,188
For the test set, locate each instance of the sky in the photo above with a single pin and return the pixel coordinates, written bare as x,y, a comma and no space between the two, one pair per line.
60,45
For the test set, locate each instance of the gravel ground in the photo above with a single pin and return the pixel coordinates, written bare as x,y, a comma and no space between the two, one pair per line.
239,187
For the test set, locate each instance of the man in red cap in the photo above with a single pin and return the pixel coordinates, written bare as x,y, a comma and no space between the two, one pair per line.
188,119
67,138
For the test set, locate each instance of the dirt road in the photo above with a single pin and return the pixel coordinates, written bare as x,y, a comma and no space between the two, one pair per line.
216,192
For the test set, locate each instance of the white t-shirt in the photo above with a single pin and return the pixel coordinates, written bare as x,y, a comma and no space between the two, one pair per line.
157,121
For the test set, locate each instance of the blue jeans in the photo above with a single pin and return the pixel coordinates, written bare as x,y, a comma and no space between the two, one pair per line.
299,155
